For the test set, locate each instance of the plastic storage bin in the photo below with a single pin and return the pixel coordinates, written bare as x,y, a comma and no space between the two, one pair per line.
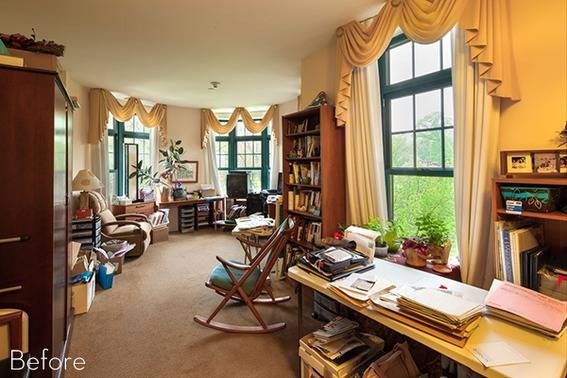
104,278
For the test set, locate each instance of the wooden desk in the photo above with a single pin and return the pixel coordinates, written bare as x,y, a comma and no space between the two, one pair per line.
215,203
146,208
547,356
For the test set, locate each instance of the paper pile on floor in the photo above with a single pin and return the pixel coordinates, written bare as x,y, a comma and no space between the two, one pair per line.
337,338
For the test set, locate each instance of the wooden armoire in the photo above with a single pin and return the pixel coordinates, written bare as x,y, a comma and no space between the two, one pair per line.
35,215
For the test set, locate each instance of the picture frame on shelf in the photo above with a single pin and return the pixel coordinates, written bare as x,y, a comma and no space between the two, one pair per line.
545,162
191,175
563,163
520,162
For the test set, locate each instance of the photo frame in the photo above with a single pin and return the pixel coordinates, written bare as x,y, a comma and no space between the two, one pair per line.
563,163
519,162
545,162
191,175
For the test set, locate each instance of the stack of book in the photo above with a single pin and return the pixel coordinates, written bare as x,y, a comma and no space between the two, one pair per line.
527,308
435,311
519,254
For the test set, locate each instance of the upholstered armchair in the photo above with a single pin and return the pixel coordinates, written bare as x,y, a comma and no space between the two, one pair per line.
134,228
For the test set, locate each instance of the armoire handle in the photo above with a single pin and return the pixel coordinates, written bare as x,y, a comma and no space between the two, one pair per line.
10,289
14,239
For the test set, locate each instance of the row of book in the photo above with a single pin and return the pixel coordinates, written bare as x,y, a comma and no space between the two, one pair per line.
519,253
305,147
305,201
307,231
304,126
305,174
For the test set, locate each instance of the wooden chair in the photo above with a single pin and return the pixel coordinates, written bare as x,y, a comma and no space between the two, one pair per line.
248,283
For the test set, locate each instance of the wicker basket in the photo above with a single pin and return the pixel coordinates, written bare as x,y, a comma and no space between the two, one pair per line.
534,198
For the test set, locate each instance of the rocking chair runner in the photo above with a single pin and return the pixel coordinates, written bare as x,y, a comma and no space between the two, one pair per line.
247,283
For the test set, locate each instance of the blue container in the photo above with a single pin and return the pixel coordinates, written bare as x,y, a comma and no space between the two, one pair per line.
104,279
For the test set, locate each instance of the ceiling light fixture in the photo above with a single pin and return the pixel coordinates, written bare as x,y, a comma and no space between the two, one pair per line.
214,85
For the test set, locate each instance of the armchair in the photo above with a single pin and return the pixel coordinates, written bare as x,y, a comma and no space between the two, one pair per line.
134,228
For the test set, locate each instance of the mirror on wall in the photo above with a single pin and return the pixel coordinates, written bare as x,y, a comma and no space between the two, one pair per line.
130,161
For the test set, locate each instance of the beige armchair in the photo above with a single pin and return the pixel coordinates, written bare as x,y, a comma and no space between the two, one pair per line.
136,229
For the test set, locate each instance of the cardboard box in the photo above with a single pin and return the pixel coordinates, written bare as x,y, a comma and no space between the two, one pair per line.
160,233
82,295
118,262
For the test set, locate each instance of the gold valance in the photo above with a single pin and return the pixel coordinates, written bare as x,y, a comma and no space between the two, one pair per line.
102,102
485,23
209,121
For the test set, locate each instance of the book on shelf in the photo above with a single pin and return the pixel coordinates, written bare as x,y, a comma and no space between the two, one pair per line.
519,252
303,126
305,173
305,147
305,201
307,231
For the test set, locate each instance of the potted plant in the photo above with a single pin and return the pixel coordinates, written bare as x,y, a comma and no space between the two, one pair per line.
416,251
389,239
435,232
173,165
147,178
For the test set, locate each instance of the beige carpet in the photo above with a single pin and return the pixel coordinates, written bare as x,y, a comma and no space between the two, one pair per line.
143,326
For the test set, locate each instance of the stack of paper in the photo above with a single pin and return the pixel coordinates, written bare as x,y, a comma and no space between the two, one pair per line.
337,338
527,308
434,311
359,288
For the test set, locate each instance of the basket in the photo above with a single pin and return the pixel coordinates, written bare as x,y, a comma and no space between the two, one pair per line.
534,198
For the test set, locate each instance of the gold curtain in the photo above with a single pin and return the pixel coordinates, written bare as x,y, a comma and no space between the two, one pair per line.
209,121
426,21
102,102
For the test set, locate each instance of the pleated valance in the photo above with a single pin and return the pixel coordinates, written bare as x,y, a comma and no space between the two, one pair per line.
102,102
485,24
209,121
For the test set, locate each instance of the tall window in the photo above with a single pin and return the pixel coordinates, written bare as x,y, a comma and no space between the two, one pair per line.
417,103
242,150
119,134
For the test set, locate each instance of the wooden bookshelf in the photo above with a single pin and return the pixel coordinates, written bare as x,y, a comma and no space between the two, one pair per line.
331,159
554,222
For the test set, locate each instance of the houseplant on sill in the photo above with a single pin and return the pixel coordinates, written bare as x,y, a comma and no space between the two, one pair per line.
173,165
434,231
148,179
390,235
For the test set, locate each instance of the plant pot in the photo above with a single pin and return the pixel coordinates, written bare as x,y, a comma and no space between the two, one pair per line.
381,251
179,194
440,254
165,194
413,258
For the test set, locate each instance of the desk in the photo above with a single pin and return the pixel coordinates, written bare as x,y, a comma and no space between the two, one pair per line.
215,203
547,356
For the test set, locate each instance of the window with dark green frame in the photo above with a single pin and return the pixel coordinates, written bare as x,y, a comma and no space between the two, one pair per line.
242,150
417,114
120,133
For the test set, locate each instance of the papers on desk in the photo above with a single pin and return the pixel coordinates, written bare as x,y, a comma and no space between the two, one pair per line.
497,354
359,288
527,308
251,222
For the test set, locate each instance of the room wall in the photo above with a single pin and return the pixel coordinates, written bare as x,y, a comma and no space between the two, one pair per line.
319,73
540,47
81,151
185,124
288,107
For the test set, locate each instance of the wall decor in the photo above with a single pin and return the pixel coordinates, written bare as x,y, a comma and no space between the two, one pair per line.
563,163
191,174
519,163
537,163
545,162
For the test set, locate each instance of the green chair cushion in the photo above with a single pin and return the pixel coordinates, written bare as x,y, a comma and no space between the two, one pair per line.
3,49
219,277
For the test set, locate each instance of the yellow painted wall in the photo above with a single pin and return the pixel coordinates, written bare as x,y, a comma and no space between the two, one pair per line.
539,32
319,73
81,149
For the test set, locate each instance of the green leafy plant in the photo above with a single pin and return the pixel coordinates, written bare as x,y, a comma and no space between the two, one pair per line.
171,160
433,230
146,176
390,233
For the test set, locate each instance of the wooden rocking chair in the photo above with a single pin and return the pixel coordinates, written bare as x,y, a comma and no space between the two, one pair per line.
248,283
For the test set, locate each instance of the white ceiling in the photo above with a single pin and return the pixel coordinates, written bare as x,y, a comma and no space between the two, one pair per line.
168,51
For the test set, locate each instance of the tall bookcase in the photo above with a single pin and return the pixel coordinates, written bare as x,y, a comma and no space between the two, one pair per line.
322,145
554,223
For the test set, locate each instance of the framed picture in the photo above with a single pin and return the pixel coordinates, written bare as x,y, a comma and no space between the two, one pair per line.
519,163
192,173
563,163
545,162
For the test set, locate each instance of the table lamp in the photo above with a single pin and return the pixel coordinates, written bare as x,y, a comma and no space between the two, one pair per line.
85,180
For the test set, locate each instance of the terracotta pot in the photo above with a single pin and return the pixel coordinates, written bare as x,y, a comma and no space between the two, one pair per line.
415,259
440,254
